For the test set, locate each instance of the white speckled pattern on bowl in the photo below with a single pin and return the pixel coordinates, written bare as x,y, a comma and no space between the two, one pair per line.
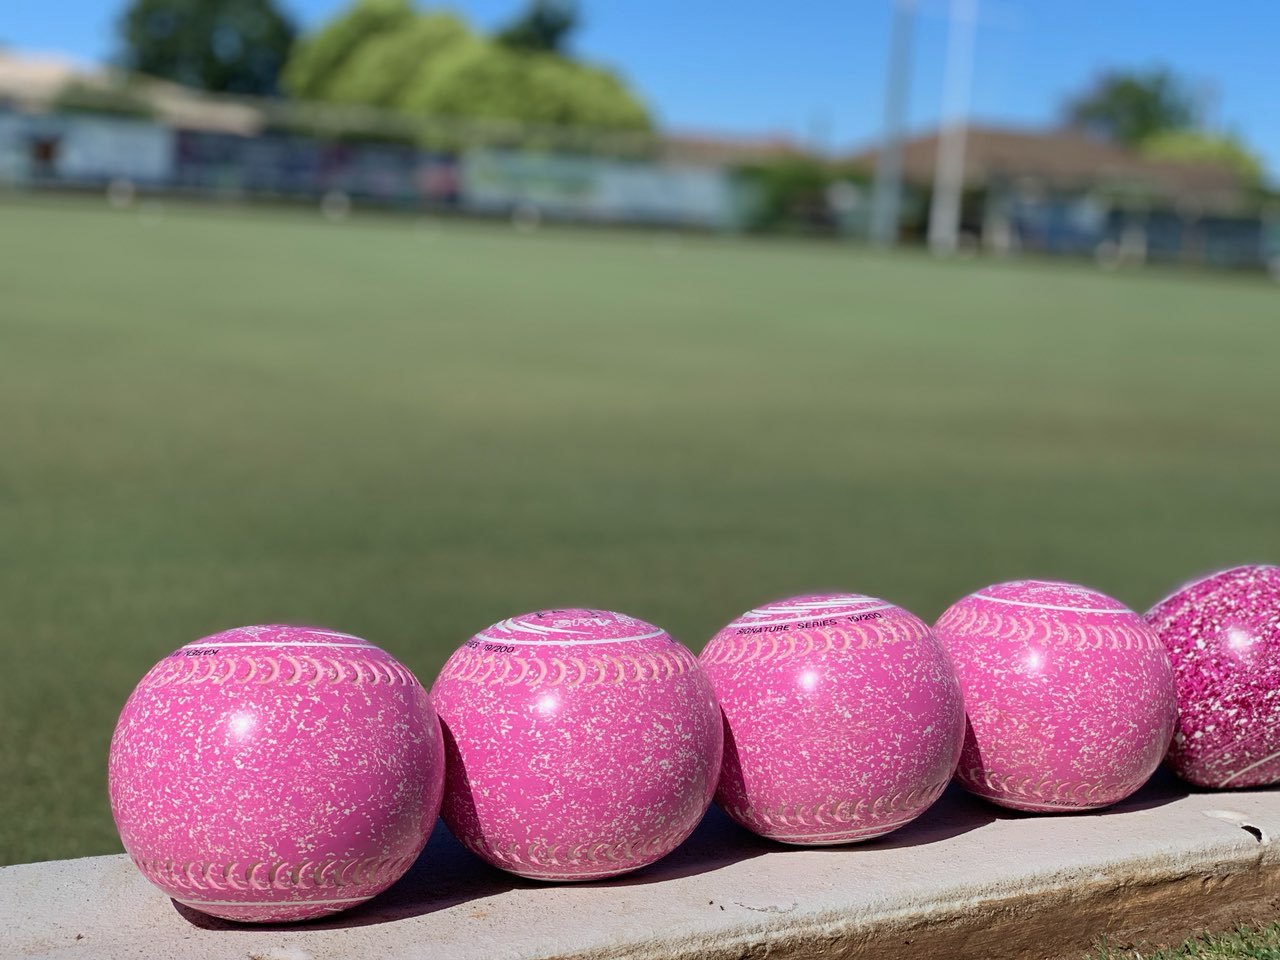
276,773
1223,635
581,744
843,714
1069,695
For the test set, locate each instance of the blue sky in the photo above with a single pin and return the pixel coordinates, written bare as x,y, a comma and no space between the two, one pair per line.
813,69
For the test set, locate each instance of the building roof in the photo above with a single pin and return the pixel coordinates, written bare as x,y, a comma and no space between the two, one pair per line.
35,82
715,149
1067,159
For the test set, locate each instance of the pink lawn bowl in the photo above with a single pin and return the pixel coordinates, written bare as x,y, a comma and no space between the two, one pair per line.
276,773
580,744
843,718
1069,695
1223,635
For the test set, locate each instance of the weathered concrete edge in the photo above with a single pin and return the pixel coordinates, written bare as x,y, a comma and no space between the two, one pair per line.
966,880
1151,905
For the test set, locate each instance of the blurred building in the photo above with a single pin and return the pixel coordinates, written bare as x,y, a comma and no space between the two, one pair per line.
65,125
69,126
725,151
42,84
75,124
1061,191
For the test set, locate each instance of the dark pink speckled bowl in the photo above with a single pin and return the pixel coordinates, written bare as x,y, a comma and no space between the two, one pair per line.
1223,635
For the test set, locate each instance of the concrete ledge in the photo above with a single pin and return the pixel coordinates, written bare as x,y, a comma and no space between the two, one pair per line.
966,880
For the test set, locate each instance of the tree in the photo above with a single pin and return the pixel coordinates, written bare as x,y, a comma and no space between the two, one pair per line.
1194,146
318,60
545,26
384,69
1129,107
224,46
488,81
383,53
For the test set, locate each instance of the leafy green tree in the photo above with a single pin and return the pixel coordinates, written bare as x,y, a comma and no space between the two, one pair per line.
383,53
387,66
545,25
318,60
1129,107
1195,146
485,80
225,46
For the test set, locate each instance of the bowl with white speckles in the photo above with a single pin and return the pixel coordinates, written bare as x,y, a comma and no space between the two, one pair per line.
1069,695
580,744
1223,636
276,773
843,718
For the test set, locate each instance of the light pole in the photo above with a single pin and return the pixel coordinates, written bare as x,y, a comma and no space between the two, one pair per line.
948,175
887,196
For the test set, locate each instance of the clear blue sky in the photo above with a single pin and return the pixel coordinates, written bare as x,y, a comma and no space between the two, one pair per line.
814,68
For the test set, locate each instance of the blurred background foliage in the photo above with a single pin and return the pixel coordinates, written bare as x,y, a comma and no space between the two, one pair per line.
795,194
1197,146
386,53
1161,114
223,46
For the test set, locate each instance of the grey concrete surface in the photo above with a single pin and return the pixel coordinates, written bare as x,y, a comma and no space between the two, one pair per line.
965,880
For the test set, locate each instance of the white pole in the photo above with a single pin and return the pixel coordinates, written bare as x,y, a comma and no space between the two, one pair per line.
887,197
948,177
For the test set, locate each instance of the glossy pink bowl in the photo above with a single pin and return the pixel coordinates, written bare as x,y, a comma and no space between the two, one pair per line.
1069,695
1223,635
276,773
581,744
843,718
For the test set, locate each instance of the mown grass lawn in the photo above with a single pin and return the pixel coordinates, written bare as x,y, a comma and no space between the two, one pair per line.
409,431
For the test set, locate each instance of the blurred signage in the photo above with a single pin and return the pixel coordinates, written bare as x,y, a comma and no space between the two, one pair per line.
84,149
293,166
100,148
592,188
